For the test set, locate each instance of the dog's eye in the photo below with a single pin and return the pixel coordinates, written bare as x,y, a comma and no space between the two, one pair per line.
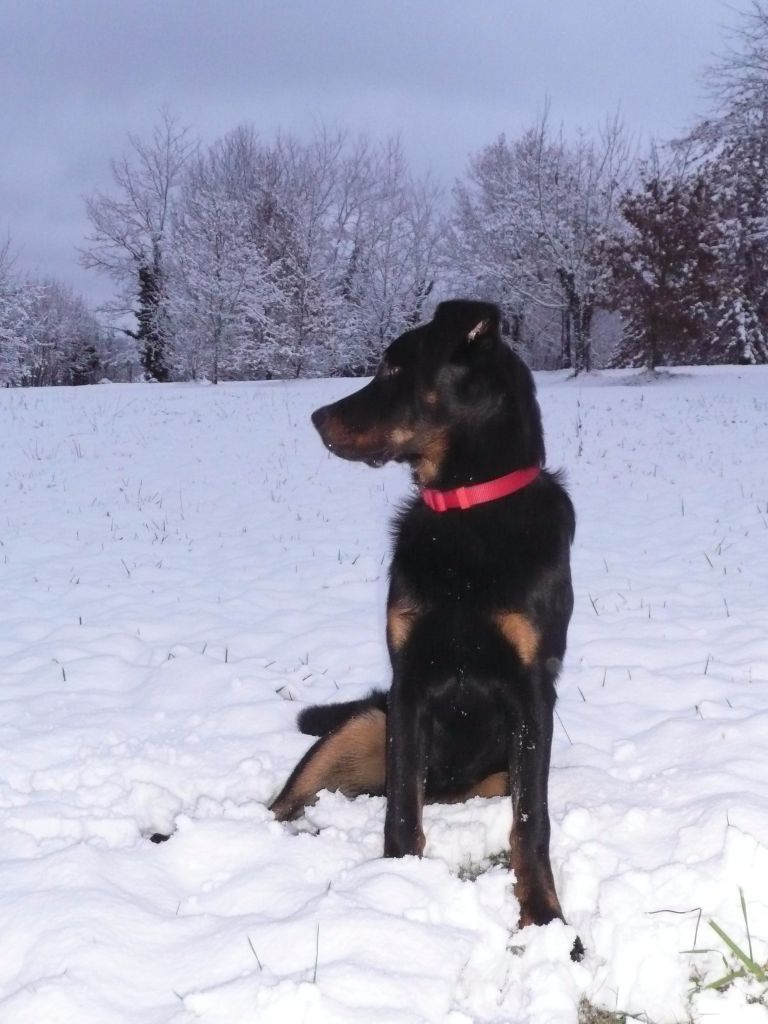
389,371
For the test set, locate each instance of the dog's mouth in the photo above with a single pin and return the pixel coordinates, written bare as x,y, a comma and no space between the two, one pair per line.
378,459
375,459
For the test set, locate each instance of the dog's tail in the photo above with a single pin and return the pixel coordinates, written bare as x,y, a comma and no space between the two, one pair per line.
320,719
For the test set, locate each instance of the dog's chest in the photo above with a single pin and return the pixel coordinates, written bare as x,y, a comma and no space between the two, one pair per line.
456,567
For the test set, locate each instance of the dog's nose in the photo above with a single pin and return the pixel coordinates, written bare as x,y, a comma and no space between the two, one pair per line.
319,417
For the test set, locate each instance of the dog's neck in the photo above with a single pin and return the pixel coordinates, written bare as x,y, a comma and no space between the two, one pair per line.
467,462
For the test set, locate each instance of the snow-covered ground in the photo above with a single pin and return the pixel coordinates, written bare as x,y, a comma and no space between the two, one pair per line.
183,567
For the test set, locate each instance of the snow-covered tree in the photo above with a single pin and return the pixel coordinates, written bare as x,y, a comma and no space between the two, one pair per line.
13,317
733,142
47,334
130,229
530,227
389,241
223,292
64,339
306,202
296,258
739,178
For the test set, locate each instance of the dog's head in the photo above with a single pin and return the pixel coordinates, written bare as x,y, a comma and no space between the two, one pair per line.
446,393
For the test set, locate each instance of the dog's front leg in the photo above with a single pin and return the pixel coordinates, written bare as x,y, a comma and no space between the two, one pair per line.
529,841
406,775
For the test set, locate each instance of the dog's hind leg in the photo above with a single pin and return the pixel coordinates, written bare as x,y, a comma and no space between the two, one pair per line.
492,785
350,758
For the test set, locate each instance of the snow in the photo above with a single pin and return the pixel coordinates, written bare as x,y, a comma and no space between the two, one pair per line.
183,567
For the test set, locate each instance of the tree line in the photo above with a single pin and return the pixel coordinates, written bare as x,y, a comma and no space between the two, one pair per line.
252,258
47,333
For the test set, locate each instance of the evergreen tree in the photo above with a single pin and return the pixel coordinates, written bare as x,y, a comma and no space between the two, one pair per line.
733,142
739,176
664,268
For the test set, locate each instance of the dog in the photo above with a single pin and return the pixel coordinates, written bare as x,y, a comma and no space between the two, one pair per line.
480,597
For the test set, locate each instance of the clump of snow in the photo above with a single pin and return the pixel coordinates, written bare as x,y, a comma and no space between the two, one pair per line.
183,568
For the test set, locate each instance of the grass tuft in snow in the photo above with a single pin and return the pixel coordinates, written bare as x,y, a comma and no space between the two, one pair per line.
470,871
741,963
589,1014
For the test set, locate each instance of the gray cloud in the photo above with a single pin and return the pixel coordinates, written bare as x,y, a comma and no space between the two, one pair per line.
447,75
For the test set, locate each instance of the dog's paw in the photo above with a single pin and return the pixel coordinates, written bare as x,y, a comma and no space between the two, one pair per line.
404,843
158,837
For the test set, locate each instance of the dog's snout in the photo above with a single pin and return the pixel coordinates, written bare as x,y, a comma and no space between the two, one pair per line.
319,417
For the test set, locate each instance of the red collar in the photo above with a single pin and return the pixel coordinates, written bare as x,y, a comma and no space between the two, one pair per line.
478,494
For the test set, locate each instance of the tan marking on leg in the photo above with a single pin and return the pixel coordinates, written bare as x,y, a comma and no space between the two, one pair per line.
401,618
522,878
520,632
534,887
352,760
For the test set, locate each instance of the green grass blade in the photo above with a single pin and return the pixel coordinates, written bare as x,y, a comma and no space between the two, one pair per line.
727,979
746,922
753,968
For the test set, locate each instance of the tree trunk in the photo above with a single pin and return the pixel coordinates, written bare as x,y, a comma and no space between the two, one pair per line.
652,344
580,312
566,355
150,335
216,347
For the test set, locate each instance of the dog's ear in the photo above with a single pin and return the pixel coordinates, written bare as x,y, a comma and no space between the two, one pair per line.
483,329
462,321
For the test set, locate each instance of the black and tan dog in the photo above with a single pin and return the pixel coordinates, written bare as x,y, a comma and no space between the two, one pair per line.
479,599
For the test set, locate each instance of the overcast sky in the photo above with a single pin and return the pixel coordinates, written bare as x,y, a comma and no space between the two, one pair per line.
447,75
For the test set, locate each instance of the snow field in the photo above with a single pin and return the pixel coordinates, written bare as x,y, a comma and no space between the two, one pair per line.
183,566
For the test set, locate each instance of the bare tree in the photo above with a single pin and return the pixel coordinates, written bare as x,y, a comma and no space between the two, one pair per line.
63,338
343,249
12,320
130,228
47,334
393,232
222,286
531,222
